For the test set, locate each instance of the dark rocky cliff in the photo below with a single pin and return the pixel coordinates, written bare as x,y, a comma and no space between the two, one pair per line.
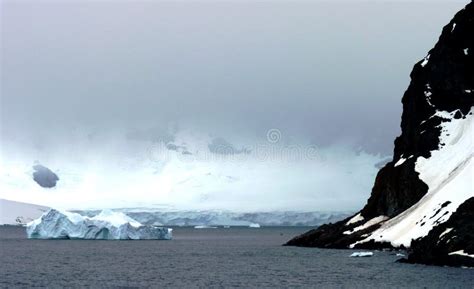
443,81
455,235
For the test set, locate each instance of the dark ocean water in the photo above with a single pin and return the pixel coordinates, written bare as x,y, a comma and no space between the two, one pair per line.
208,258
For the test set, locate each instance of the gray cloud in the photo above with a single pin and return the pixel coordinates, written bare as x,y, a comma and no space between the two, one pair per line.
221,146
154,134
96,82
315,69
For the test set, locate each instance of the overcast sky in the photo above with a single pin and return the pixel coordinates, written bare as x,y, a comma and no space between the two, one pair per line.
323,73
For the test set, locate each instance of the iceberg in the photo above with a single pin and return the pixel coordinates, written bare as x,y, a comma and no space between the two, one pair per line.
362,254
254,225
107,225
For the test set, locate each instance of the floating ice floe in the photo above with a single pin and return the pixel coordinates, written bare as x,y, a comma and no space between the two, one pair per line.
107,225
362,254
204,227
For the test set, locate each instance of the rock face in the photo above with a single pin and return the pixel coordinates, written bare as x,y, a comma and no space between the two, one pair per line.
44,176
430,175
107,225
451,243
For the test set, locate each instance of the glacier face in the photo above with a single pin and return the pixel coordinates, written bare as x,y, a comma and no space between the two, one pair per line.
226,218
107,225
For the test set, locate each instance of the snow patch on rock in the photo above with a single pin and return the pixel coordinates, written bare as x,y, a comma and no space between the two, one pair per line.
204,227
400,161
461,253
425,60
428,94
447,172
445,232
355,219
370,223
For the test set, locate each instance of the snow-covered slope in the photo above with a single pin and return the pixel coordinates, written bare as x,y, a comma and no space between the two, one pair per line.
16,213
449,174
450,243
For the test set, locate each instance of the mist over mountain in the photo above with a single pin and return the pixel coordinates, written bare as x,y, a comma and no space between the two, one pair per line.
188,170
192,108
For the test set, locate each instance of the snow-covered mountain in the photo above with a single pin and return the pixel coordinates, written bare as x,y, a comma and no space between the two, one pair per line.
431,174
16,213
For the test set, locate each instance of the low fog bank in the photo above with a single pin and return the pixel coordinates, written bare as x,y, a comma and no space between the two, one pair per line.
186,169
238,105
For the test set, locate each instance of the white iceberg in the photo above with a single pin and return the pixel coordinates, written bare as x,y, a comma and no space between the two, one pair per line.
107,225
362,254
254,225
